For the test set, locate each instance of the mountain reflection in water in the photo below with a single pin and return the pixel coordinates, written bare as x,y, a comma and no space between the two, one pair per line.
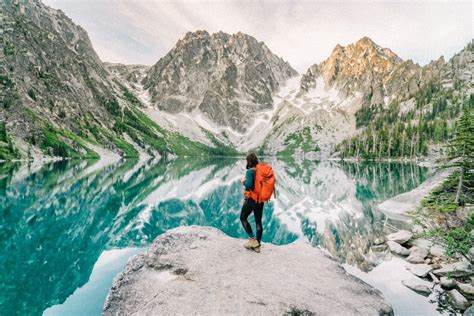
57,219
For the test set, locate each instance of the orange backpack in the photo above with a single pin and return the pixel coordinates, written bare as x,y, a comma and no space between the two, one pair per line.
264,183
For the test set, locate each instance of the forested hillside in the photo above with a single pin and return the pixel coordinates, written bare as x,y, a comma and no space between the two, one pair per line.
408,129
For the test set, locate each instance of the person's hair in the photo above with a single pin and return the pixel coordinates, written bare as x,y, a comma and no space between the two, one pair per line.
252,160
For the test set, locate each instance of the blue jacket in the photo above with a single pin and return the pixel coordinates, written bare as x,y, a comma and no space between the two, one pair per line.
249,180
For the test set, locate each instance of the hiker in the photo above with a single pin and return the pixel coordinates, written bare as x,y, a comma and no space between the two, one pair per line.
259,186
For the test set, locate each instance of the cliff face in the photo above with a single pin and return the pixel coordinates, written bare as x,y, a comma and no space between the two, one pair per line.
226,77
365,67
58,99
50,73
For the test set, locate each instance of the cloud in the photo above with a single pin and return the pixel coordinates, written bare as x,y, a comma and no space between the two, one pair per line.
302,32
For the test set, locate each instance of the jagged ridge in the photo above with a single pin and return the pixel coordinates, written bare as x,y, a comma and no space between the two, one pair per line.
226,77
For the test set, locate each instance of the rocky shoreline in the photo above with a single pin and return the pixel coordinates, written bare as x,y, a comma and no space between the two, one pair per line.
397,207
451,278
200,270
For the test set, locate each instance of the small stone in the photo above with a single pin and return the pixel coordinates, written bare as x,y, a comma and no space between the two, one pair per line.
397,248
400,237
466,288
384,310
457,269
458,300
420,270
446,282
420,242
471,252
436,266
427,260
417,229
418,285
379,241
437,251
434,278
417,254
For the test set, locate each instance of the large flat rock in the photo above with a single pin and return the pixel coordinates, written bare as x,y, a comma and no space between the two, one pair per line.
201,271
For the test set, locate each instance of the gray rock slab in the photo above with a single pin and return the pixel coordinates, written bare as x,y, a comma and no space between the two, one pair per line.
397,248
437,251
446,282
465,288
420,270
458,300
418,285
421,242
201,271
457,269
400,237
379,241
417,254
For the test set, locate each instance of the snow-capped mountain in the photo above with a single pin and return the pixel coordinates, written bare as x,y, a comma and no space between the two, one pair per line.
57,98
210,94
296,115
226,78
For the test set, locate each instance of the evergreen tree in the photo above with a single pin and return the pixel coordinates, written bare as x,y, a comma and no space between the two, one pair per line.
461,152
3,132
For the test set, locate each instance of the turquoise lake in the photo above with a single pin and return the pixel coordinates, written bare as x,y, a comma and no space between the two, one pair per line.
67,228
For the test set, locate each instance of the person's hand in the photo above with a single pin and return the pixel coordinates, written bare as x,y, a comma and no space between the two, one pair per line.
242,180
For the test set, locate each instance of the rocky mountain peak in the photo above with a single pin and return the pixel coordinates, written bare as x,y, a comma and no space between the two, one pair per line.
358,60
361,67
366,42
226,77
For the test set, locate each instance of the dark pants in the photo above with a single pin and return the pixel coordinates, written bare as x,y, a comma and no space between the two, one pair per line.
257,208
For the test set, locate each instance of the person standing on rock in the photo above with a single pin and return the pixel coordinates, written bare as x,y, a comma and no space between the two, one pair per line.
259,183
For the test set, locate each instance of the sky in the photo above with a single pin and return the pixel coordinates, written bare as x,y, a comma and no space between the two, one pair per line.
301,32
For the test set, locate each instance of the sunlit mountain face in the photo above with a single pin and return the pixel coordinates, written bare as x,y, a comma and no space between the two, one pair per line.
62,221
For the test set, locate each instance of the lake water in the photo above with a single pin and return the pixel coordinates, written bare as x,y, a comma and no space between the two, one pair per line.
67,228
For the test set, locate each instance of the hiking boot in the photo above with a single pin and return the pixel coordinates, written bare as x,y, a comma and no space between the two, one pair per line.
257,249
251,243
